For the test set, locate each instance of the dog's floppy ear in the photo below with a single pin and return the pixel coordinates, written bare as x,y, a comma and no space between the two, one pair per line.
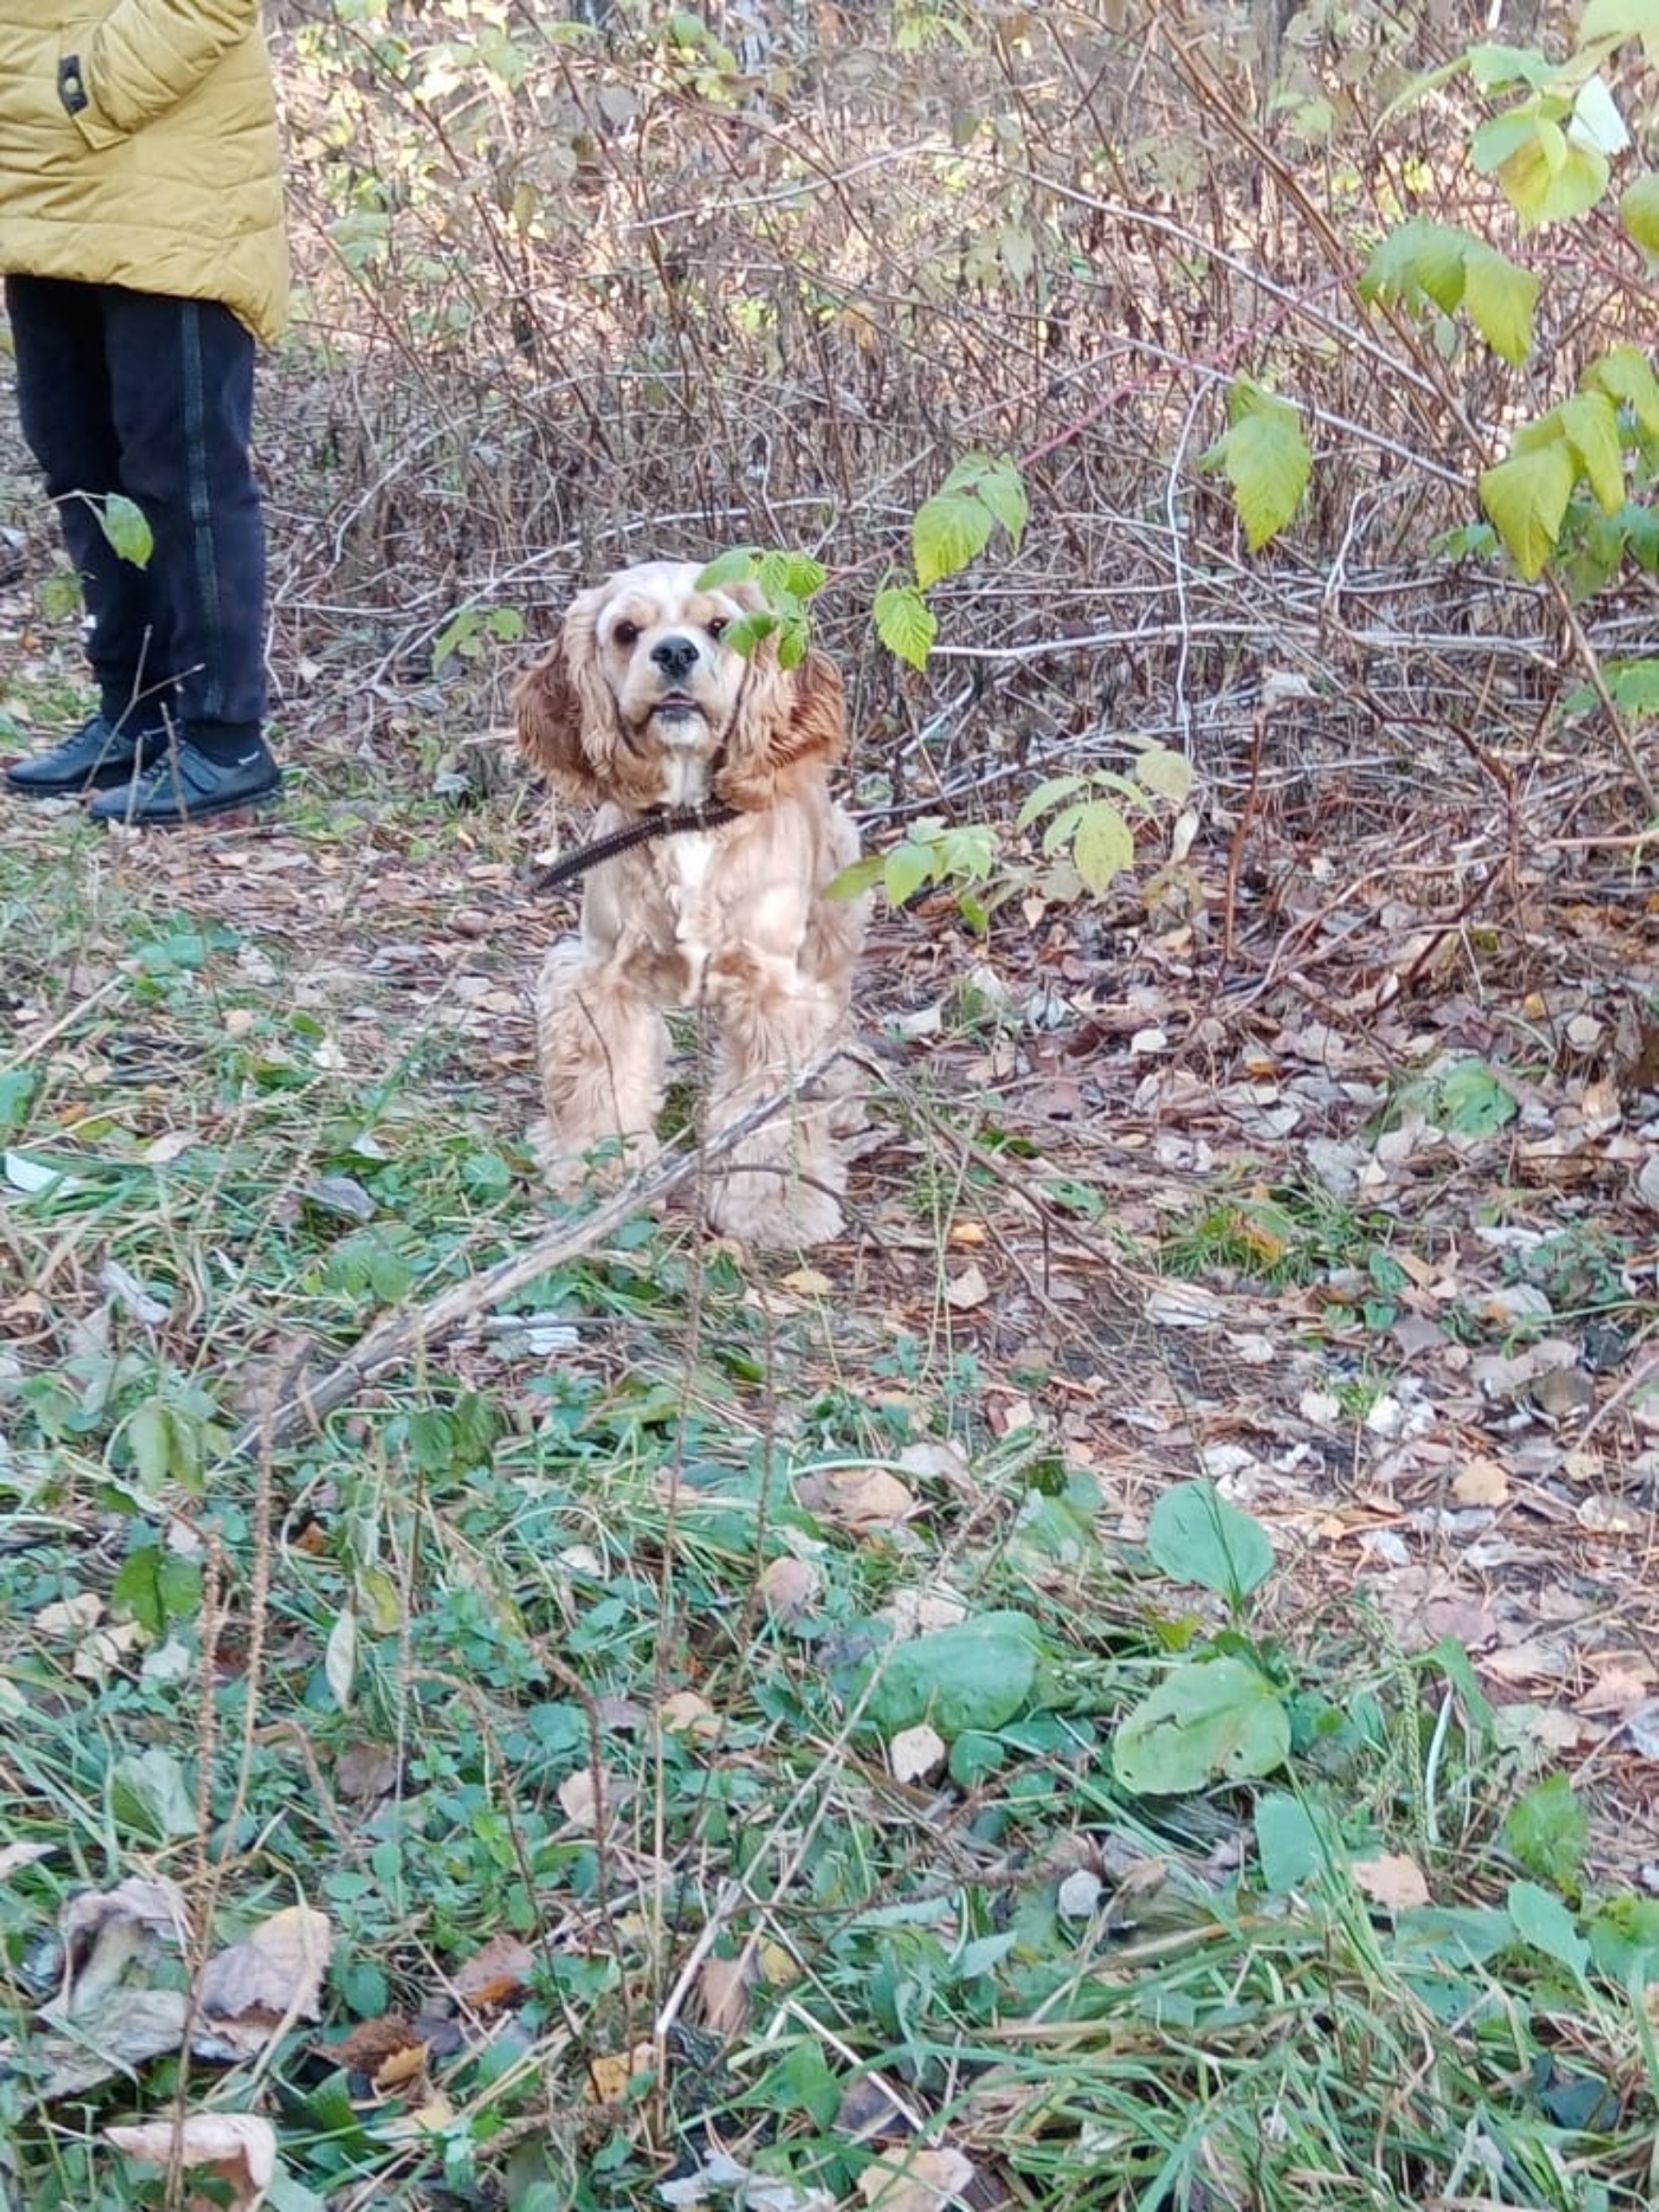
792,724
562,707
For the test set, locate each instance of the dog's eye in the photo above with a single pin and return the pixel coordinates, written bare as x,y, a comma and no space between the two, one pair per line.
626,633
715,626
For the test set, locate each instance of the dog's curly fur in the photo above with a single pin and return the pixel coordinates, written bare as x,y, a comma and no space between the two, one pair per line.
638,705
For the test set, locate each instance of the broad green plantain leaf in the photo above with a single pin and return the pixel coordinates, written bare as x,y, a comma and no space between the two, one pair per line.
975,1676
1195,1535
1206,1721
1525,499
1543,1921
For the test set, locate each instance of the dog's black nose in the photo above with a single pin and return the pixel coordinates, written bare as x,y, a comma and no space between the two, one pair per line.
675,657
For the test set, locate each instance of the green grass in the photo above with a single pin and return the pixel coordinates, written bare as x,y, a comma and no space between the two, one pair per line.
488,1576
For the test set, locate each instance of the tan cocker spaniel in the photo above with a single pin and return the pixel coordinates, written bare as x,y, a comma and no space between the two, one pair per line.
640,708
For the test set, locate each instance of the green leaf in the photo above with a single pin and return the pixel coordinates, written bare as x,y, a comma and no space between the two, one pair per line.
951,529
1499,299
906,869
1590,423
863,875
1544,1922
1195,1535
1596,120
1525,499
1498,141
1638,210
743,635
1047,794
906,623
975,1676
1287,1842
138,1589
1003,490
1548,1830
1103,845
734,566
1614,22
150,1439
1492,65
1420,260
1267,462
149,1794
1549,178
1625,375
806,2083
123,523
1166,774
1473,1102
1217,1719
340,1657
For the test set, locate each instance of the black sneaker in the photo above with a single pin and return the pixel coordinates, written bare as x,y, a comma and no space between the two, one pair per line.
185,784
100,754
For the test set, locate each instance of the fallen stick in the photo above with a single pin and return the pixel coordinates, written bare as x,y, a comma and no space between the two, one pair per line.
301,1401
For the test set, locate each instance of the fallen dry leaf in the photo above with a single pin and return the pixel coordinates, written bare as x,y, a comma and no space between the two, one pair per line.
580,1797
861,1498
1392,1880
791,1587
14,1856
610,2075
133,2026
915,2181
236,2147
684,1713
964,1291
273,1977
917,1754
1481,1481
496,1975
371,2042
724,1987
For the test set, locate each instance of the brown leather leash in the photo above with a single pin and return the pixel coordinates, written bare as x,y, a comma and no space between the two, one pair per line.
664,822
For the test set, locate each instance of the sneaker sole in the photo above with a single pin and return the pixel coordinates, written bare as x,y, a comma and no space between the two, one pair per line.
209,810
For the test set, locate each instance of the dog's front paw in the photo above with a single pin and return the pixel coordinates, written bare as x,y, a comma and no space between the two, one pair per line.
767,1211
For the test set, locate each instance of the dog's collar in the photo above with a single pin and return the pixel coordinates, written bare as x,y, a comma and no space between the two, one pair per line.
657,822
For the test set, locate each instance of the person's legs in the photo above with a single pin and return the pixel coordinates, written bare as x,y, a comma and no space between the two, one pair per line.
65,408
182,401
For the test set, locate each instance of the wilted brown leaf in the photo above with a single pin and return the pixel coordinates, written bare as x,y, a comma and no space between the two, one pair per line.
1392,1880
236,2147
496,1975
861,1498
915,2181
609,2075
271,1978
790,1586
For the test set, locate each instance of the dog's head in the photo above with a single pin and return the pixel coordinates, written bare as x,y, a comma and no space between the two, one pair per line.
640,701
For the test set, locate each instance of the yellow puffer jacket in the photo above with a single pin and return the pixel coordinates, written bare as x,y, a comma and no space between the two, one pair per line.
138,146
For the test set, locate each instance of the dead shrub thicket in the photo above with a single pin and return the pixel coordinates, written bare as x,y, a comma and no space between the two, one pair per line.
579,287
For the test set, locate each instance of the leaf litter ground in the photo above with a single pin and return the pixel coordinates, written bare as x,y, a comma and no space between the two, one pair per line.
1337,1195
